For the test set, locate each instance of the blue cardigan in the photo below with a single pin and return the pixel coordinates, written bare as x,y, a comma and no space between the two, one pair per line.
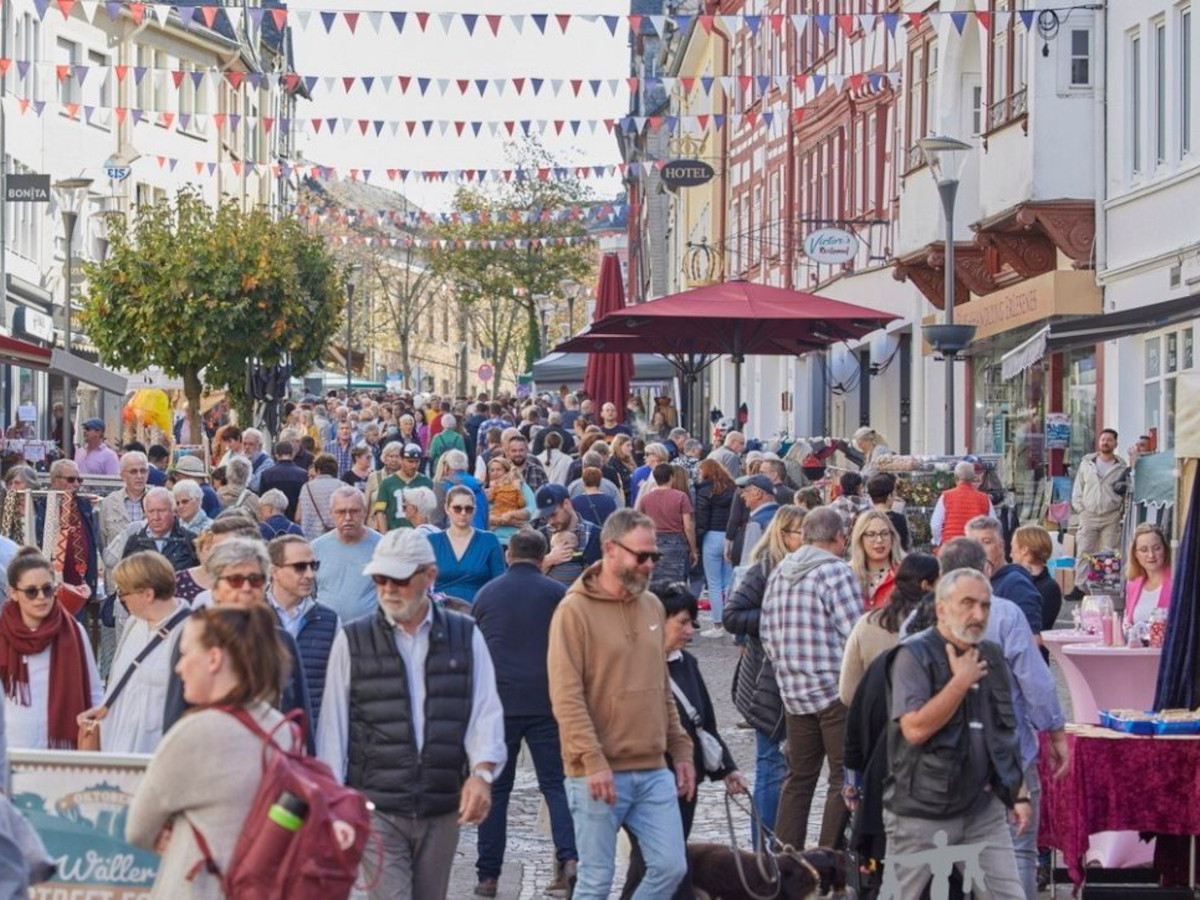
461,578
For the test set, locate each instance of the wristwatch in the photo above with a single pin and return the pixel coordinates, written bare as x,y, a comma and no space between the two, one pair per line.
486,774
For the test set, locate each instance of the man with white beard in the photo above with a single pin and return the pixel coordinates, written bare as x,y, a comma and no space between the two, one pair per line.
410,702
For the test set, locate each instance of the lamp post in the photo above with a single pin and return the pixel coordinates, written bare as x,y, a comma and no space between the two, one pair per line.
946,156
70,194
545,305
351,274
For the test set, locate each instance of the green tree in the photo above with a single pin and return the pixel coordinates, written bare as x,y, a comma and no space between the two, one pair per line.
205,291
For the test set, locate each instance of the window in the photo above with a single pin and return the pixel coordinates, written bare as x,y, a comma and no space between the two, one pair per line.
1165,357
187,93
1185,81
23,220
100,78
1160,92
28,45
922,73
68,87
1134,105
756,225
162,96
1081,58
773,216
1007,67
871,163
143,76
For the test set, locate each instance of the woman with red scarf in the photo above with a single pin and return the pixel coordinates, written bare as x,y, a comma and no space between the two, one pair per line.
46,663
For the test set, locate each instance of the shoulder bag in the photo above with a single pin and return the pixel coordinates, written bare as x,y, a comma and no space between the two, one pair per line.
710,746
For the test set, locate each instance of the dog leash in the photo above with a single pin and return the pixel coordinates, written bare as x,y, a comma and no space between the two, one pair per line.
766,858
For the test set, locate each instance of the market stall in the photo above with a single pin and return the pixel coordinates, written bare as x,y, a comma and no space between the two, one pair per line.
920,481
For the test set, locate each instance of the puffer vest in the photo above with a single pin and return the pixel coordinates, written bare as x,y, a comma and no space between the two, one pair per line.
383,760
926,781
962,503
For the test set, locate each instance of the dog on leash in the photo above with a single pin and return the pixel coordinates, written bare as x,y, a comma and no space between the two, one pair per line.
802,875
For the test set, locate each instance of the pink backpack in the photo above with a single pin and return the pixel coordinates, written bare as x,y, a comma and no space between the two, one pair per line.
305,834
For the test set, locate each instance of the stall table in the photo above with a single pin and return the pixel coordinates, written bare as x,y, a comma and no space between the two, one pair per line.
1122,782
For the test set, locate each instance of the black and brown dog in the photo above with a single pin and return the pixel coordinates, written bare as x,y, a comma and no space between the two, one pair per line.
807,874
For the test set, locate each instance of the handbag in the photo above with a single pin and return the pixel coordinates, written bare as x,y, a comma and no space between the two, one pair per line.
711,748
89,729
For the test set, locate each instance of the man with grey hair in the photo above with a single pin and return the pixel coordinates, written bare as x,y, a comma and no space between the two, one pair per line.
958,505
554,426
677,438
120,508
272,508
260,460
161,531
810,605
954,760
594,460
729,454
1008,579
1035,697
343,554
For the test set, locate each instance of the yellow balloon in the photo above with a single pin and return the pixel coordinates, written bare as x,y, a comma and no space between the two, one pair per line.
151,406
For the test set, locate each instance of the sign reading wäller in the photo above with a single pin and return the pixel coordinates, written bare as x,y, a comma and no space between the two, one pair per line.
831,245
679,173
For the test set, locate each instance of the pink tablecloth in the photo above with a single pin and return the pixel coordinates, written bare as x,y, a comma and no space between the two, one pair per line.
1110,678
1122,783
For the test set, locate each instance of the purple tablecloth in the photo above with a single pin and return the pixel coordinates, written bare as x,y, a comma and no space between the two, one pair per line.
1120,782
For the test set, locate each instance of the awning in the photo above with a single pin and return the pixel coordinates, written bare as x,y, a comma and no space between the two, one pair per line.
1016,361
46,359
568,368
24,354
1084,332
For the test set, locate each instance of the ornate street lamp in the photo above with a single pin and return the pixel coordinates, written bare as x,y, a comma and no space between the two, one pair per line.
946,157
70,194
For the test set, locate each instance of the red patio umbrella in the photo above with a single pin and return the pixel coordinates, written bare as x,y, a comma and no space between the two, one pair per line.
608,374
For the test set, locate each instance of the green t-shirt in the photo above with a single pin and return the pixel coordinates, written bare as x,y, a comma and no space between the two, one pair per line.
388,502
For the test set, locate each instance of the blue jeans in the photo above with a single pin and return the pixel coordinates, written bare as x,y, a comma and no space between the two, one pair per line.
647,806
717,571
770,768
540,733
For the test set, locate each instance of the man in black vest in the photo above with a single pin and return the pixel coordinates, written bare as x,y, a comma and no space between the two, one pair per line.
952,746
410,703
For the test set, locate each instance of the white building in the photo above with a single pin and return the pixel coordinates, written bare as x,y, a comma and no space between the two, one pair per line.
161,103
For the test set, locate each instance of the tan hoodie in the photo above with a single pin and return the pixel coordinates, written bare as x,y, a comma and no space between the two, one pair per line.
609,683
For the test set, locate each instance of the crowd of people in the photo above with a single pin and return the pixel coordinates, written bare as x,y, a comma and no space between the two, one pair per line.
433,585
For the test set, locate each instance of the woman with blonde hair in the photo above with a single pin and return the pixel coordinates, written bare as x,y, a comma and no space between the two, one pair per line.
755,690
875,555
1149,574
1032,548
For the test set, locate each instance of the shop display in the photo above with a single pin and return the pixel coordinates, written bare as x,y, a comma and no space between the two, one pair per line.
1167,721
921,480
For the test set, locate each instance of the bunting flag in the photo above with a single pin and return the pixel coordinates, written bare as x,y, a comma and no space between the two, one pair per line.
459,244
456,87
600,212
348,21
392,128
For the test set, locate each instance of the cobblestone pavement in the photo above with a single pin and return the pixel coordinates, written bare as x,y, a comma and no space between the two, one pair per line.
528,866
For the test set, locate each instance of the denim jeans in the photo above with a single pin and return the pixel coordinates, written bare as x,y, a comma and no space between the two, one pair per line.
648,806
540,733
1025,845
770,768
718,571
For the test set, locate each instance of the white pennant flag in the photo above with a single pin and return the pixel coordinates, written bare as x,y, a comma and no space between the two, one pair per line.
443,84
447,19
302,16
375,18
518,22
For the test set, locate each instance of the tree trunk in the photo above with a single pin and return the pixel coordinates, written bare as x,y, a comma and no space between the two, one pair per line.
464,335
533,345
192,389
405,366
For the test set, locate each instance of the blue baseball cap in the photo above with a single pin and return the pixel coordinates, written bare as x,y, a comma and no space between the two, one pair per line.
549,498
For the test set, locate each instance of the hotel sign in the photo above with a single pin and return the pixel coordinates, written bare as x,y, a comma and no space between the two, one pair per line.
687,173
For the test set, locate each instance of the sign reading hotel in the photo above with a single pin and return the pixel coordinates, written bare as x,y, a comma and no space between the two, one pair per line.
681,173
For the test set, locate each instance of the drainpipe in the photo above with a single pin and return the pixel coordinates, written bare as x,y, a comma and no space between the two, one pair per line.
1100,140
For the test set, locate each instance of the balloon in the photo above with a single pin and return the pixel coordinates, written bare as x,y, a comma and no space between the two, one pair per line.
149,406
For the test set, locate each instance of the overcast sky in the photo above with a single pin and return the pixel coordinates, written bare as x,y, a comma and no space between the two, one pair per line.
586,51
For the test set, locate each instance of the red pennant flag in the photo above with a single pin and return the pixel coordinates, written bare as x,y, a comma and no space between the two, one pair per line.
702,121
799,81
235,79
121,71
268,123
687,83
985,20
280,17
422,19
576,84
23,105
706,22
65,7
463,84
655,122
507,173
63,72
411,127
751,118
121,112
219,120
167,119
797,115
494,24
177,77
4,65
856,81
519,84
199,168
608,125
558,126
633,84
316,124
138,12
744,81
458,127
776,21
162,161
509,126
351,20
564,19
404,81
635,24
347,83
209,14
237,167
544,174
915,19
363,125
846,23
291,81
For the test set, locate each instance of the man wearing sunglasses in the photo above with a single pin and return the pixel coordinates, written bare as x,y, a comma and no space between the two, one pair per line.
411,704
610,693
95,457
292,594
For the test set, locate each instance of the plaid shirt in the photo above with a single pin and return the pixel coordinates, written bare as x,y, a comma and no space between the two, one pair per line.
811,602
535,476
342,454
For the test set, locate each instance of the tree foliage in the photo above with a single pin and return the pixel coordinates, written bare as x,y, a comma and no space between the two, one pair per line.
193,288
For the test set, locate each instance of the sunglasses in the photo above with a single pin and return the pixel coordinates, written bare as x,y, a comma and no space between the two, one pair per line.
300,567
643,556
240,581
462,509
32,593
71,479
382,580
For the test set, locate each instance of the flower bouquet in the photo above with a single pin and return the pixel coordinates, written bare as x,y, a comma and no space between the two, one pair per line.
1103,573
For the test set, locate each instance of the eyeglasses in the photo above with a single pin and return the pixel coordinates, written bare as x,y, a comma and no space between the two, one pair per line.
876,535
643,556
240,581
142,471
32,593
383,580
300,567
71,479
462,509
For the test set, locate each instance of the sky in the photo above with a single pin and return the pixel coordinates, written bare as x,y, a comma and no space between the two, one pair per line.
586,50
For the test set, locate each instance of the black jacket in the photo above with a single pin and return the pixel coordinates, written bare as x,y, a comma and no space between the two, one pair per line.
865,751
712,512
179,546
539,440
513,613
685,672
755,690
288,477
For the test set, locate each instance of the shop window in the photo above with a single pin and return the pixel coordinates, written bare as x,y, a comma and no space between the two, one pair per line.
1165,356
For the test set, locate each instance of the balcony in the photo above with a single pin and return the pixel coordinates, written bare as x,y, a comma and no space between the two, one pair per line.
1011,109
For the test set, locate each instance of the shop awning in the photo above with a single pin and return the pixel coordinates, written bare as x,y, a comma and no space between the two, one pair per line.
569,368
46,359
22,353
1084,332
1016,361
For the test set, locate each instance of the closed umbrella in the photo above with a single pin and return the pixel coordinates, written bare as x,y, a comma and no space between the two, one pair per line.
608,374
1177,667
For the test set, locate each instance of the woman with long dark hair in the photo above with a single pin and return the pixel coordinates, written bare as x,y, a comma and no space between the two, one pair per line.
714,499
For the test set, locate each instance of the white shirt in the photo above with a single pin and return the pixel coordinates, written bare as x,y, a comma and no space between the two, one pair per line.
27,726
134,724
938,521
484,739
1147,603
291,619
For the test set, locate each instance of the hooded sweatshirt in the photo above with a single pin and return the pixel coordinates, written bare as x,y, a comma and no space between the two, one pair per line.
609,683
810,605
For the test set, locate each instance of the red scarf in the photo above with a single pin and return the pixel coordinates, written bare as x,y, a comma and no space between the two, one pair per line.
70,688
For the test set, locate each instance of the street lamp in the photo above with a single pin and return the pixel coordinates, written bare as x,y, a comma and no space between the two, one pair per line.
545,305
351,275
70,194
946,157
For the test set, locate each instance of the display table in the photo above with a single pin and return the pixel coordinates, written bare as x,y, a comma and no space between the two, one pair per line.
1120,782
1055,641
1110,678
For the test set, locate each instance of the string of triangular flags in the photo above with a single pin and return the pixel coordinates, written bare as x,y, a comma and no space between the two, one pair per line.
598,212
425,85
460,243
391,128
495,24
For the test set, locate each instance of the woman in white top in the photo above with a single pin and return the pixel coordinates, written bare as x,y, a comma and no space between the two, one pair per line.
1147,574
133,722
46,663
